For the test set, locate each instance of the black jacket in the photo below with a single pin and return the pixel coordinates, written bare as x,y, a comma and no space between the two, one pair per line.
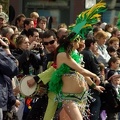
8,69
91,62
111,101
26,58
24,32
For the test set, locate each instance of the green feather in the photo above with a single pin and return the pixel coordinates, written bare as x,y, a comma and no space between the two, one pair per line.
87,17
118,21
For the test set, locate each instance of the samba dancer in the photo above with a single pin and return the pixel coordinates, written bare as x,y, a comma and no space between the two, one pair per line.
66,81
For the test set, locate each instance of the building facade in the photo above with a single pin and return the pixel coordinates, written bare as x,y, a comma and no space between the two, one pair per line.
63,11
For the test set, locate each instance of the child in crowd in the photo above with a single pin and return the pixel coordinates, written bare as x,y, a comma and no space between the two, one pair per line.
34,16
112,51
113,66
109,97
114,41
112,96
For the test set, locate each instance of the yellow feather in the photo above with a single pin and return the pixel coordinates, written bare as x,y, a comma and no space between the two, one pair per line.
95,16
98,5
87,25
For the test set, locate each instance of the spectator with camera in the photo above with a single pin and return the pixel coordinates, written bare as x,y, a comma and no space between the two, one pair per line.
34,38
7,32
36,46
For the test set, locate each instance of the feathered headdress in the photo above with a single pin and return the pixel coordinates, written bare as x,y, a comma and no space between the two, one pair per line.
86,19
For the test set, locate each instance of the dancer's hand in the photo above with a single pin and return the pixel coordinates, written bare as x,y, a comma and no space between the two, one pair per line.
31,82
99,88
96,80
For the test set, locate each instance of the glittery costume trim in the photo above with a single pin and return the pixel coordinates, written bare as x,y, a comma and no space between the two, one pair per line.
82,100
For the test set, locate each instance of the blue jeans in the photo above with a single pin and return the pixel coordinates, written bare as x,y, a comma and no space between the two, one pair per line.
1,114
95,108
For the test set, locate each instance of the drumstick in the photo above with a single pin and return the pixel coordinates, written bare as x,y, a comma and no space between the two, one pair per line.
15,82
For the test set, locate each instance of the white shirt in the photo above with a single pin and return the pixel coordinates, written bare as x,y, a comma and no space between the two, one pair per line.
103,55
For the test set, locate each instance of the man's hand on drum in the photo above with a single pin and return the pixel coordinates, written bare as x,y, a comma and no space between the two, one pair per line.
16,90
31,82
17,103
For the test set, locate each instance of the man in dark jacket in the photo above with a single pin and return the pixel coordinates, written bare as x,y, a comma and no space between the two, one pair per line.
28,23
92,64
8,69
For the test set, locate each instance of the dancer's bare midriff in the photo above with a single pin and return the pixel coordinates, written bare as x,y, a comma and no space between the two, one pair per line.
73,84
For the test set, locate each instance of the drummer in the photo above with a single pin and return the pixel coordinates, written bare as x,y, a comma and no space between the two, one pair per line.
38,110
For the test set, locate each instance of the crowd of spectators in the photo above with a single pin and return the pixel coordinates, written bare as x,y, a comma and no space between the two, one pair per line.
28,44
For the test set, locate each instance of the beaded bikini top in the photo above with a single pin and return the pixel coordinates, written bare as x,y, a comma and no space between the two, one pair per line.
55,83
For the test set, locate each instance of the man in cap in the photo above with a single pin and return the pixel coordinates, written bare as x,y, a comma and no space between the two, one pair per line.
2,20
3,13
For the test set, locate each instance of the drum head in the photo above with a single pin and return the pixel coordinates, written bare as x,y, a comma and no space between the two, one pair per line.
24,88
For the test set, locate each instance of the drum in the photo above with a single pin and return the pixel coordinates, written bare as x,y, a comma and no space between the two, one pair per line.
35,90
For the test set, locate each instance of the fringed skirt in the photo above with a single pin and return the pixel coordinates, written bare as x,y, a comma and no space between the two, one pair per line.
82,100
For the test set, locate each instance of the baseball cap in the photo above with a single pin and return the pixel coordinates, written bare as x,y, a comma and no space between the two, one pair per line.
112,75
115,76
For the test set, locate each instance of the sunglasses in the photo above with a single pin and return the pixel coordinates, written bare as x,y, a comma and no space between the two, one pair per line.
51,42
